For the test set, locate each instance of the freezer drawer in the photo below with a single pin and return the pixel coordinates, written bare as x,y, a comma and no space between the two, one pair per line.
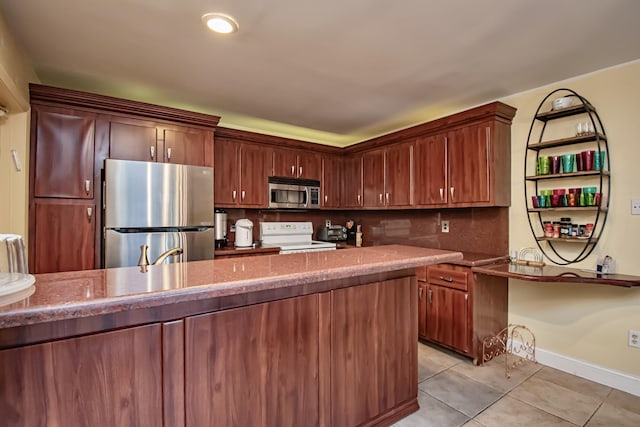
123,249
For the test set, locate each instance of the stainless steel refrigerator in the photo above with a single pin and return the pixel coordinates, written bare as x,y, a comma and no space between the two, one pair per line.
157,212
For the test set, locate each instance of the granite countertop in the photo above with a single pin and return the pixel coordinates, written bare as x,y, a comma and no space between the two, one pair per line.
473,259
244,251
71,295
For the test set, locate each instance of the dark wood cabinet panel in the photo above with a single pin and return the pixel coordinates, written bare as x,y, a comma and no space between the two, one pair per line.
112,378
285,163
352,181
226,175
133,140
188,147
309,165
254,173
469,161
398,175
373,179
430,171
368,383
422,309
64,236
63,144
331,181
254,366
447,317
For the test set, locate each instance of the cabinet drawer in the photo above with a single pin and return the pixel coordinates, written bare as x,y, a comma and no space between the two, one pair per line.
447,277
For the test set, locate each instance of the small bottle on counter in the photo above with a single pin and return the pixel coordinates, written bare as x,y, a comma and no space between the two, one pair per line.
358,236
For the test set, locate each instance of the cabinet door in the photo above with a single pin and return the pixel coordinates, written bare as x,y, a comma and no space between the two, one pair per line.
109,379
352,182
254,366
226,173
447,317
366,383
64,149
373,179
331,178
64,238
469,154
422,310
188,147
134,140
430,171
254,172
309,165
285,163
398,175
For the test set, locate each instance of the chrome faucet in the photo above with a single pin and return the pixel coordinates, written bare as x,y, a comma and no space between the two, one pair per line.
143,261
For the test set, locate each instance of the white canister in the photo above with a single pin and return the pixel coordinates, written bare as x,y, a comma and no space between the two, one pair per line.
244,233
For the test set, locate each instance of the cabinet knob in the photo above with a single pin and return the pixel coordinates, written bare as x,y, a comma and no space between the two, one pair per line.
358,199
233,195
300,171
326,198
242,194
441,194
452,191
380,198
169,153
387,196
152,151
293,170
89,213
87,186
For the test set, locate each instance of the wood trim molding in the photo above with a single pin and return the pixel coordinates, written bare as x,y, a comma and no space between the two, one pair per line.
106,104
277,141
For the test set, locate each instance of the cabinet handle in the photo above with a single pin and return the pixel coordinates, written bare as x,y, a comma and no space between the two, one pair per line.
326,198
380,198
233,195
446,279
441,194
300,171
487,141
87,186
89,213
169,153
466,297
430,296
293,170
387,198
452,190
358,199
152,151
242,195
420,293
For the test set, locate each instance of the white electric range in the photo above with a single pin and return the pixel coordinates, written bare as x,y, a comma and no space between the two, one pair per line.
292,237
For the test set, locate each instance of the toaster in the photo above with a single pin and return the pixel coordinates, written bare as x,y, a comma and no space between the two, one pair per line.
332,233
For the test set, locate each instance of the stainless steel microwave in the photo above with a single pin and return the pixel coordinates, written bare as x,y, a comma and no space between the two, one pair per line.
293,193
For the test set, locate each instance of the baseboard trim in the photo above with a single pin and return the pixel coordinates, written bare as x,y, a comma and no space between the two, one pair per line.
609,377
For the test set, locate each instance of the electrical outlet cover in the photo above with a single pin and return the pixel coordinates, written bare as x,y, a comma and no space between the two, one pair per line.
634,338
635,206
445,226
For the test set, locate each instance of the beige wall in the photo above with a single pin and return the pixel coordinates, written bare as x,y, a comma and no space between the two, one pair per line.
14,190
586,322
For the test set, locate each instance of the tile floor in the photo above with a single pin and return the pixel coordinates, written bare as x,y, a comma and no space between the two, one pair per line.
453,392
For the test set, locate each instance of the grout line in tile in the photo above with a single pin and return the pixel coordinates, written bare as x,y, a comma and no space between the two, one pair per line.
540,409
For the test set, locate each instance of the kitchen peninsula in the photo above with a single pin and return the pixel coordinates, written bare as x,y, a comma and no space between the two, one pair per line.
315,338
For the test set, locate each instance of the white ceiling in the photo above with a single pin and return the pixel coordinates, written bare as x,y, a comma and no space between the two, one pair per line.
348,68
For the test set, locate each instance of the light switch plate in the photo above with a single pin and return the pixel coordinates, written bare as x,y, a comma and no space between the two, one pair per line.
635,206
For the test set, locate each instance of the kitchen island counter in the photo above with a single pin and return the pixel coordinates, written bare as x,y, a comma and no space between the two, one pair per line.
315,338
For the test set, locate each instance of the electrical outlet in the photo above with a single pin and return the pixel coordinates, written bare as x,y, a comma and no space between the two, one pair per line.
445,226
634,338
327,223
635,206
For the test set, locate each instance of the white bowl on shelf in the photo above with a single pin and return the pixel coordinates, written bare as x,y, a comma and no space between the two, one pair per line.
560,103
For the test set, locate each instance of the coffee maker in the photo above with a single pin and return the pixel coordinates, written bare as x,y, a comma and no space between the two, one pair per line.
220,224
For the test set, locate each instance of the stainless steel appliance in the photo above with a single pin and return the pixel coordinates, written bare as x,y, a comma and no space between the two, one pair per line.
294,193
157,212
332,233
220,221
291,237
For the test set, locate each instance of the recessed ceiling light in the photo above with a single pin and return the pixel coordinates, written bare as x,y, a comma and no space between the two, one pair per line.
220,23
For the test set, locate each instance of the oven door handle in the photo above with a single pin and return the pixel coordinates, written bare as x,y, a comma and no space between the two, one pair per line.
307,192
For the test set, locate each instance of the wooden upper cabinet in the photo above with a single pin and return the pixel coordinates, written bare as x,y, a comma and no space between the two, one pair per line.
133,140
297,164
240,174
373,179
469,151
430,171
398,175
63,144
352,181
188,147
331,180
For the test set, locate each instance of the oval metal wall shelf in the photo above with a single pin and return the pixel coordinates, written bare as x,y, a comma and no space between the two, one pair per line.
564,251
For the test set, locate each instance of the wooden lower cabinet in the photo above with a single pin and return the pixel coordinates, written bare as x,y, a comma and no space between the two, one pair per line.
108,379
461,309
374,353
254,366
